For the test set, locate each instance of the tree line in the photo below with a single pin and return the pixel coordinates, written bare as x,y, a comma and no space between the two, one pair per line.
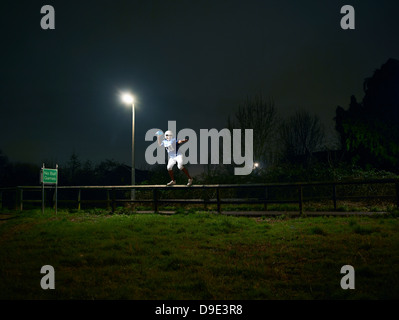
73,172
298,147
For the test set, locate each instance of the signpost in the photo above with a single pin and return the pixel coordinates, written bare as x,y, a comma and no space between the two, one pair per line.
49,176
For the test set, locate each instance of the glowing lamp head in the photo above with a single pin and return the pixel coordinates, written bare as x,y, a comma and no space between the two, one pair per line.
127,98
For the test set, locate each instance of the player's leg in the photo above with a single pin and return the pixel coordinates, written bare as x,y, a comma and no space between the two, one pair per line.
171,175
186,172
169,167
179,160
190,179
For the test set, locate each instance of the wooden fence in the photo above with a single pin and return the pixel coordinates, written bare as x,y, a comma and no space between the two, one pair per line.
216,195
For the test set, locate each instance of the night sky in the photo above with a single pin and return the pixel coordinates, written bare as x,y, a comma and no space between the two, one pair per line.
189,61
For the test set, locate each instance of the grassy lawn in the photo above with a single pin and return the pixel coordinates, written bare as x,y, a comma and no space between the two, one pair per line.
197,256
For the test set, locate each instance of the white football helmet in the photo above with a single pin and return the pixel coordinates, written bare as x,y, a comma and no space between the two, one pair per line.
168,135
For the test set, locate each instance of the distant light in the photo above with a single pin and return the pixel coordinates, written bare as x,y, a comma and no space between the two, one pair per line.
127,98
256,164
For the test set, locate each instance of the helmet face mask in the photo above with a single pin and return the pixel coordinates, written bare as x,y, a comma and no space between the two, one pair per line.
168,135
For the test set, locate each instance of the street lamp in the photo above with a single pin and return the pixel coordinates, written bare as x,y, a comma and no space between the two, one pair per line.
129,100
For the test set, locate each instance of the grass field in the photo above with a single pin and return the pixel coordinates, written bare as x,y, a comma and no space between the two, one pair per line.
196,255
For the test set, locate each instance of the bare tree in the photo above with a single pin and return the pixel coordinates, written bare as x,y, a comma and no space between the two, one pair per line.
301,135
261,116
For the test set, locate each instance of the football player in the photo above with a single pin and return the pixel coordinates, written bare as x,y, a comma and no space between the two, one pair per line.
175,156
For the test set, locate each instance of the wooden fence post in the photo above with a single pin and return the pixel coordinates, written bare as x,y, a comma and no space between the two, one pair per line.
108,200
266,197
218,199
54,199
397,194
113,200
18,199
206,198
300,200
335,196
155,199
79,198
21,199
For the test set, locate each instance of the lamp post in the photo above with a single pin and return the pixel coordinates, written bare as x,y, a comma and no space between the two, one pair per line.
129,100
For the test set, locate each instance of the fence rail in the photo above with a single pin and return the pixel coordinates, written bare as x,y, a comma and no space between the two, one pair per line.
238,194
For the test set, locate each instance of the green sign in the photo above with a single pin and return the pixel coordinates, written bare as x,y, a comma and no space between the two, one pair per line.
49,176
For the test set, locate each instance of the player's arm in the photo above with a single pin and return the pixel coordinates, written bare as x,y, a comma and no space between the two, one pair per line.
159,140
159,135
182,141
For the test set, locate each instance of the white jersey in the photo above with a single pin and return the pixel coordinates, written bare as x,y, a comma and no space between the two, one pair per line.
172,147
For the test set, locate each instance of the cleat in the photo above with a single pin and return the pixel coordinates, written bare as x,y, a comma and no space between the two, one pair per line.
190,182
173,182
